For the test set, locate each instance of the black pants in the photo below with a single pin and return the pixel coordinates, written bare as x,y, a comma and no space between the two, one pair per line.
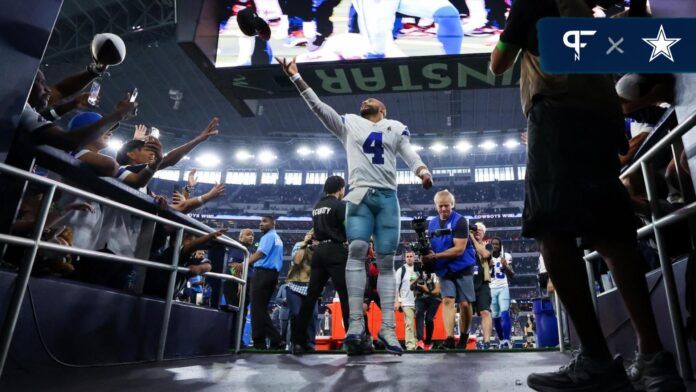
426,309
496,12
322,17
262,287
328,261
461,6
231,293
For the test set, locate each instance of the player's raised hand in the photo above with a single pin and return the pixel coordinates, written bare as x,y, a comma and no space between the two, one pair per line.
289,66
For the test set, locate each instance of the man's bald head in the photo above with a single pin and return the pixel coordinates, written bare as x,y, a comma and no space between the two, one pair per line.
371,107
246,237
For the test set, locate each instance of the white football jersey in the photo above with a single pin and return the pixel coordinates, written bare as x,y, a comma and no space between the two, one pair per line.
498,277
371,148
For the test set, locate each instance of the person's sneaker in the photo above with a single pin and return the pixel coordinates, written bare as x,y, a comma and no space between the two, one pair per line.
461,344
299,349
317,43
583,374
505,345
429,30
408,28
483,31
655,372
428,346
280,346
447,344
420,345
388,338
296,38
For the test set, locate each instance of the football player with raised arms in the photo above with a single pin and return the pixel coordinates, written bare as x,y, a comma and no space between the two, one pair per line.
372,143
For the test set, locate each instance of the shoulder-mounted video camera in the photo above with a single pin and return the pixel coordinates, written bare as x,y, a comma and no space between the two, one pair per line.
422,244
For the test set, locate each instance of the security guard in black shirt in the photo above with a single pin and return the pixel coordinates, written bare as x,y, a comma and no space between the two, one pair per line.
328,260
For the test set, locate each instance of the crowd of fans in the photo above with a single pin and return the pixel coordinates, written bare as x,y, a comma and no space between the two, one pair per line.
63,117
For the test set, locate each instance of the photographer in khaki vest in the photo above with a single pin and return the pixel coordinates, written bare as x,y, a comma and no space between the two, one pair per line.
298,283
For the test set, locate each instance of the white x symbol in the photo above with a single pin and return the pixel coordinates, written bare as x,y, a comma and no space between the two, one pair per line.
615,45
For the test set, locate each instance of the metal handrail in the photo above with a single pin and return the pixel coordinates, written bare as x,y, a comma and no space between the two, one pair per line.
52,246
653,228
678,131
102,200
35,244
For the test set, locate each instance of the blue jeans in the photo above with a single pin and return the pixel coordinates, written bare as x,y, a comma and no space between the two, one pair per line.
295,303
378,215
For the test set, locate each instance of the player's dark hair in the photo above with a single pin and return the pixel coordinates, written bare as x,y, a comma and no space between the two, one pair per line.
334,184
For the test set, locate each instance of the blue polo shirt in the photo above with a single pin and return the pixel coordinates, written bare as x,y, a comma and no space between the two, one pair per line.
272,247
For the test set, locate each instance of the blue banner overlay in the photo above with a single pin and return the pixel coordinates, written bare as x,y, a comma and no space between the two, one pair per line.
645,45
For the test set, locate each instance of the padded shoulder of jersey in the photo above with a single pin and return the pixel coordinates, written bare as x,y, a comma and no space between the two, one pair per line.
397,124
352,117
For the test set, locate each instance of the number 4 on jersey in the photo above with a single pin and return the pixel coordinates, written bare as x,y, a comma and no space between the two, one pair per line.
373,145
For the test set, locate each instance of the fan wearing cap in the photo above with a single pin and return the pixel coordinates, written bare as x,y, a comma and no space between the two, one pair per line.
105,165
85,224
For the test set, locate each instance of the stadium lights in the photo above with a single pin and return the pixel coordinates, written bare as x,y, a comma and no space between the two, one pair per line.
266,156
304,151
186,158
488,145
115,144
416,147
243,155
463,146
438,147
324,151
208,160
511,143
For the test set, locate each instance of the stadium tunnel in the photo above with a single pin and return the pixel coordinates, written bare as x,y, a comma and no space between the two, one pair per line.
122,267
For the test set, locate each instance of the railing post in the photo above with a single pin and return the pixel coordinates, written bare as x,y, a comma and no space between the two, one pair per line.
242,303
22,279
559,321
590,282
170,295
675,315
142,251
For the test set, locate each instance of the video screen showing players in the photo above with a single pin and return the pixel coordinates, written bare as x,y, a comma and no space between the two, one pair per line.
345,30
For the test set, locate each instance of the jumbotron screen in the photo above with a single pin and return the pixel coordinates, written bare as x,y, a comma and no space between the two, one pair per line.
344,30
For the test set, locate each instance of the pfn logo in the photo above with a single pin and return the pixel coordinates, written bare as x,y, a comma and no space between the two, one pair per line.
576,42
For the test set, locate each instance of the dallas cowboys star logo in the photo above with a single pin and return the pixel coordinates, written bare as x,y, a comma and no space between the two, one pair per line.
661,45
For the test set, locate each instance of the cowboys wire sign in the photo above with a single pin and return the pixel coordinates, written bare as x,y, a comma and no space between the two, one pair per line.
645,45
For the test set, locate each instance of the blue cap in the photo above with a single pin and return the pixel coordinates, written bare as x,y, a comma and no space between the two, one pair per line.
83,119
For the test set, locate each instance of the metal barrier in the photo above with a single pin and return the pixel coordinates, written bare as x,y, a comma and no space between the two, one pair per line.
35,244
657,223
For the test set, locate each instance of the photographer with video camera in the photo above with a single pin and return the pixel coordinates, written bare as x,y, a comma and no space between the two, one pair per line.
453,258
